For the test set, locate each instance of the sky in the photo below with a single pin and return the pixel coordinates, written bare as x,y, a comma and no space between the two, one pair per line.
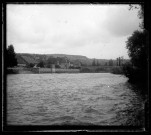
92,30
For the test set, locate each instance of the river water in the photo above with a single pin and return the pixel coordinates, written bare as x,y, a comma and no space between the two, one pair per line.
72,99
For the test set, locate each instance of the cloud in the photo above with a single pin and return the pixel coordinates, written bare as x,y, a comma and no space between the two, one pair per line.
73,29
21,29
120,21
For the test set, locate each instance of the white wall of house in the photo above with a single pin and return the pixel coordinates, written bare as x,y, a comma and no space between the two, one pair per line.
21,65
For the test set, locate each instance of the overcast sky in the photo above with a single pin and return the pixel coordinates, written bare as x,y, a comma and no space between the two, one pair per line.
95,31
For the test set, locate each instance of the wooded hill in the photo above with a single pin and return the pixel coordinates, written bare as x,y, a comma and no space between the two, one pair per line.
83,59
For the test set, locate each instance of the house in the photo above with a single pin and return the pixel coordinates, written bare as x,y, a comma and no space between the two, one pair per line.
63,62
71,64
24,61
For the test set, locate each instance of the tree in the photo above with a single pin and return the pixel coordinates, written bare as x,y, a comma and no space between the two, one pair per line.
93,63
97,63
122,60
138,51
111,62
11,57
31,65
137,48
50,60
105,64
40,64
117,61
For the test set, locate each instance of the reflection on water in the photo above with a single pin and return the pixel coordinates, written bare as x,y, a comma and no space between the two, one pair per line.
73,99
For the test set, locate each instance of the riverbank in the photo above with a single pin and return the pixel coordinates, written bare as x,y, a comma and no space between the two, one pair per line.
24,70
102,69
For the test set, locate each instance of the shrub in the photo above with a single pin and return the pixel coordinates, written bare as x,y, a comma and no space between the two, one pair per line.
117,70
85,70
31,65
101,69
57,66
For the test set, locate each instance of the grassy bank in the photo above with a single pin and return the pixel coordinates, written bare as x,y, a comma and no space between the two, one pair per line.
18,70
12,71
109,69
23,70
117,70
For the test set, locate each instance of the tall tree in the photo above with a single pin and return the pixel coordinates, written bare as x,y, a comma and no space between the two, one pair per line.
117,61
11,56
137,48
97,63
93,63
138,51
105,64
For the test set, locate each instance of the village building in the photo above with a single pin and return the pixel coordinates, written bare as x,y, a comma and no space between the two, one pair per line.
77,64
63,63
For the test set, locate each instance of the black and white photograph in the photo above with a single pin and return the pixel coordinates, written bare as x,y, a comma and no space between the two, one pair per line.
76,65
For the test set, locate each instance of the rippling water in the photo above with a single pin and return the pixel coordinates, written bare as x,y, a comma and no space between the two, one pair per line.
73,99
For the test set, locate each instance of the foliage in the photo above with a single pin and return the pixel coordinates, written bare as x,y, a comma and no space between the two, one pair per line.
93,63
117,70
111,62
137,46
105,64
100,69
71,67
11,71
97,63
85,70
31,65
50,60
57,66
140,13
40,64
11,56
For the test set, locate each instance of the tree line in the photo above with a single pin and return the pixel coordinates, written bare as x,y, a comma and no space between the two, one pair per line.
138,45
119,62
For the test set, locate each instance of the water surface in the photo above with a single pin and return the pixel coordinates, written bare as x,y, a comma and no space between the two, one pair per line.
72,99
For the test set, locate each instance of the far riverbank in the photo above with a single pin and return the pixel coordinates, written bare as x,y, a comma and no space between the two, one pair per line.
24,70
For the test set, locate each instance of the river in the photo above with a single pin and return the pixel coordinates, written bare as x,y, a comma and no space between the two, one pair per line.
72,99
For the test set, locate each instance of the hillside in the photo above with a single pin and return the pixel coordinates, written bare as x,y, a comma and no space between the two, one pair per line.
72,57
83,59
